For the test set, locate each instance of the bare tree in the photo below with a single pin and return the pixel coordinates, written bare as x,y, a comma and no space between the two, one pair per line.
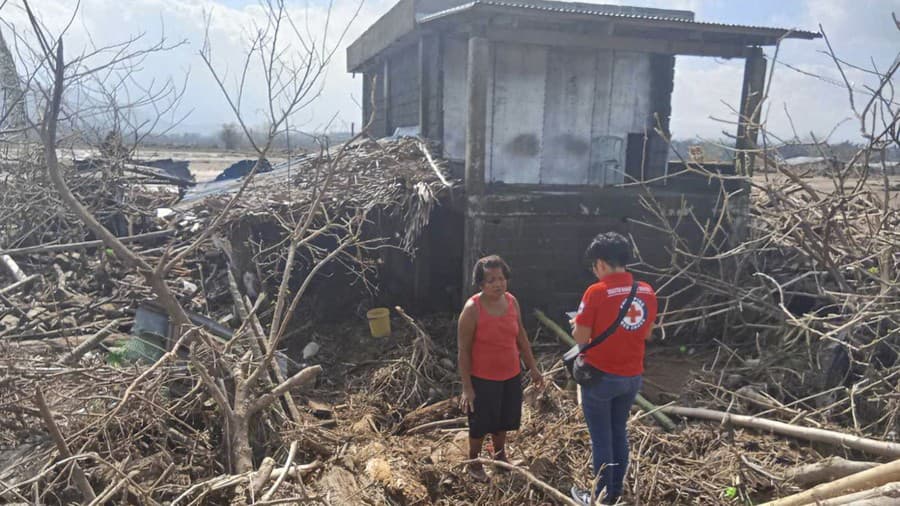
230,136
292,82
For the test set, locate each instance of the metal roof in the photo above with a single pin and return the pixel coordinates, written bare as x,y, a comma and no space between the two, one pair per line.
573,8
618,13
401,24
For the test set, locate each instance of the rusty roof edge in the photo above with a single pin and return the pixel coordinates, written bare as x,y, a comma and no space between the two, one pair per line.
767,30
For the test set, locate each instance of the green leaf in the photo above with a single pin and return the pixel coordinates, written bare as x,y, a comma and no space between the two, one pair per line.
115,357
730,492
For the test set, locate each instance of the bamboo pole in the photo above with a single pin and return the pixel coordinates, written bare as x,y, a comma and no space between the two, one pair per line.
866,480
870,446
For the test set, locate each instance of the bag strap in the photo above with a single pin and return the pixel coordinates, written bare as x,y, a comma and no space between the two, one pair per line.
612,328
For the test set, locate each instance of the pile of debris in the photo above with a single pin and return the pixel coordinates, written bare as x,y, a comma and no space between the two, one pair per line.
802,310
109,403
67,284
65,295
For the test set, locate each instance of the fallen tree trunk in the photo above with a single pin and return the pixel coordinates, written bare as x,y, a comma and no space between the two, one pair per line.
643,403
866,480
885,495
870,446
830,469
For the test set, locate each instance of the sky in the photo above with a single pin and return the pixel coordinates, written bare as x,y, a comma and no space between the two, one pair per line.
706,89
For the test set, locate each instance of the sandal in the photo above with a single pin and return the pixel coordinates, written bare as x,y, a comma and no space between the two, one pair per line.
476,472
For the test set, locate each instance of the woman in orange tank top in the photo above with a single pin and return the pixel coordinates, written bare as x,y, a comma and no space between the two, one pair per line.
491,339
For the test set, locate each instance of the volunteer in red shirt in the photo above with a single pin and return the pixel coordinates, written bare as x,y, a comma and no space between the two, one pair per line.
619,359
491,338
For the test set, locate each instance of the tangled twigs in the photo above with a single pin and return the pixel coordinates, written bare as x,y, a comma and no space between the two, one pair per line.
553,492
78,474
419,374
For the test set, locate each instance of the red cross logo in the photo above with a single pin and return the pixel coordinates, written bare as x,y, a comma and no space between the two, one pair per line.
635,316
634,313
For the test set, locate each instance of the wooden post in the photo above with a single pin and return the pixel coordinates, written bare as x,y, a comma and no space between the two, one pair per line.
386,89
426,44
476,139
439,92
751,107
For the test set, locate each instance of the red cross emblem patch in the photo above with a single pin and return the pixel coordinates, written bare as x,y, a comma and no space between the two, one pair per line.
635,316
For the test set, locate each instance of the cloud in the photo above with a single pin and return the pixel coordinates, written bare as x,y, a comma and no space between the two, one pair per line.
703,86
102,22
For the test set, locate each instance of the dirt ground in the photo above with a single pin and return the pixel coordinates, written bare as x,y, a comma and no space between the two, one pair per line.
826,185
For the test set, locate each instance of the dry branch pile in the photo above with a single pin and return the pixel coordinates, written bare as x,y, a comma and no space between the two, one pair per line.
806,308
151,434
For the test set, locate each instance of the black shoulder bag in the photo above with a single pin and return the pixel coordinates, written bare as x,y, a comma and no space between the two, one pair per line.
582,372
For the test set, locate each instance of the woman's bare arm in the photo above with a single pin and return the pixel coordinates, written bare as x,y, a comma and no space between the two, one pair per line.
465,336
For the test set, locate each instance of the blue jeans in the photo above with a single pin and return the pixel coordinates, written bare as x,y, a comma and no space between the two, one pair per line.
606,404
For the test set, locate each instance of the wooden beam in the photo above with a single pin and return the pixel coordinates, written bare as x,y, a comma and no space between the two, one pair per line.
751,107
604,40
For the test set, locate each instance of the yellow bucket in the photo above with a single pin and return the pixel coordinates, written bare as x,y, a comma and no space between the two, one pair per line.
379,321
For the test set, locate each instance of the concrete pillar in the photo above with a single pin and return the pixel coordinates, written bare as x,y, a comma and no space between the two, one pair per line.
386,89
476,123
425,79
751,107
439,92
476,138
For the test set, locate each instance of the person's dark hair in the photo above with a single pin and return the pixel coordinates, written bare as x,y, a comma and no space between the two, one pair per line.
611,247
488,262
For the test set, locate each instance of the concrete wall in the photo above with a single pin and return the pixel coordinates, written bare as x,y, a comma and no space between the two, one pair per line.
543,235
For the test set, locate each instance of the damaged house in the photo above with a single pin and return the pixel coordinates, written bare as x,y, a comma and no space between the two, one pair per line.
556,116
